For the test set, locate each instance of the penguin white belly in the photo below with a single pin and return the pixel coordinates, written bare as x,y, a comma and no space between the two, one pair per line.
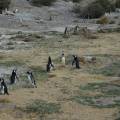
2,90
29,78
63,60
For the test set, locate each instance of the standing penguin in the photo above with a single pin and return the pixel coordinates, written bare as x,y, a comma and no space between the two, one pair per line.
31,78
13,77
63,59
76,61
49,64
4,88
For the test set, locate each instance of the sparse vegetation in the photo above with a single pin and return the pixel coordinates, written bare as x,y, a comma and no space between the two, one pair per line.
42,108
10,63
103,92
110,70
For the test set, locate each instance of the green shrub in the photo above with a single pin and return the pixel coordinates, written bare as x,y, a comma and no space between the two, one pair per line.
4,4
39,3
106,4
117,4
94,10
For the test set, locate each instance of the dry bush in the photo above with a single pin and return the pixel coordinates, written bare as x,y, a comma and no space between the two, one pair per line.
103,20
88,34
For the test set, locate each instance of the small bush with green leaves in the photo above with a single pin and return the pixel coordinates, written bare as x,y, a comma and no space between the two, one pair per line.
94,10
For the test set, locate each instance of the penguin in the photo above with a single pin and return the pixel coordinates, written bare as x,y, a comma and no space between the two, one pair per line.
63,59
31,78
4,88
49,65
76,61
13,77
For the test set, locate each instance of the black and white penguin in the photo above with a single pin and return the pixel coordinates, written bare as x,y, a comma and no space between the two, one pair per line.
31,78
76,62
4,89
13,77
